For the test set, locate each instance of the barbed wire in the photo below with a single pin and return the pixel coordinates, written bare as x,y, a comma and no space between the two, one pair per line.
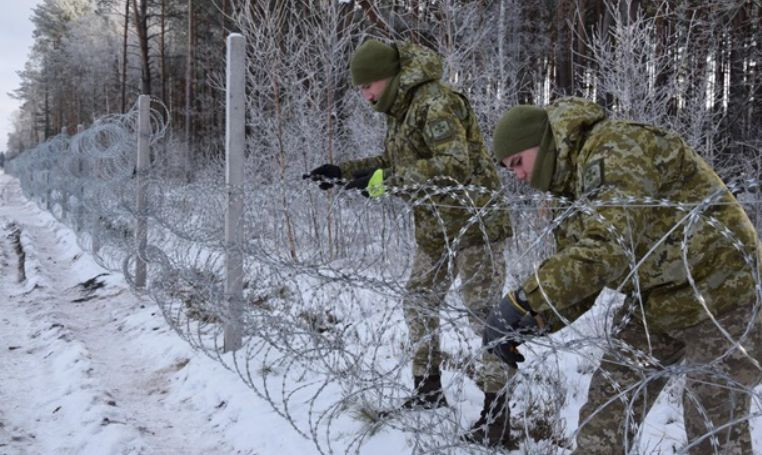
325,342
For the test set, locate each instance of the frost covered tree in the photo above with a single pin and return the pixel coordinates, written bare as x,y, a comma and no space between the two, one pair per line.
694,68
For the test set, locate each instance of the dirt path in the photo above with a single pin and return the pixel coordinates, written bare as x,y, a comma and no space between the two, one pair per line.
76,376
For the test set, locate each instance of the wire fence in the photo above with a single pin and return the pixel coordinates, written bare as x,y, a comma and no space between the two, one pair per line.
324,339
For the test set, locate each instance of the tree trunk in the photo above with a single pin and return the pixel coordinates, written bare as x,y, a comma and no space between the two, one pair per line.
162,52
563,50
529,66
605,19
372,12
47,112
739,94
124,55
189,90
141,25
665,56
223,19
282,168
755,72
415,9
579,57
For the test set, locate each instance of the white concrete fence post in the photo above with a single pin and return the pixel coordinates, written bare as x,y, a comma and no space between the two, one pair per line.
234,147
48,189
141,225
78,222
48,185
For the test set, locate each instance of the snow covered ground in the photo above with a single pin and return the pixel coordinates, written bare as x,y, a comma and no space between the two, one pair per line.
96,370
86,367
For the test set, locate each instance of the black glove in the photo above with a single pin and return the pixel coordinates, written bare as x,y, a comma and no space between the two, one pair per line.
360,179
508,324
324,174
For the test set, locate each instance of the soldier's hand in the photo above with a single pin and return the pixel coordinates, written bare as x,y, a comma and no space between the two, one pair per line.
324,174
509,353
508,325
369,181
360,179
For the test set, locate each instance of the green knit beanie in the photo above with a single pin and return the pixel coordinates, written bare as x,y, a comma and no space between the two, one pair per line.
373,61
520,128
524,127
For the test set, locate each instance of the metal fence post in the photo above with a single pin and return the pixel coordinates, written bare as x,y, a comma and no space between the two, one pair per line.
234,146
141,231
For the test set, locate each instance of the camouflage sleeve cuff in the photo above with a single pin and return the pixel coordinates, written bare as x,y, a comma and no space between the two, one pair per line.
539,305
534,296
550,311
348,167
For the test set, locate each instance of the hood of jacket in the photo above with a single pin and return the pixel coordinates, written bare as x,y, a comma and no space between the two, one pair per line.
570,120
418,65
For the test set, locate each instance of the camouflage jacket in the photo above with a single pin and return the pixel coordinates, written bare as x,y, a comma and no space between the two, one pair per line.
604,161
433,138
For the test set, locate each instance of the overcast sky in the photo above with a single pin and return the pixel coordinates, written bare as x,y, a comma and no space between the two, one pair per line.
16,41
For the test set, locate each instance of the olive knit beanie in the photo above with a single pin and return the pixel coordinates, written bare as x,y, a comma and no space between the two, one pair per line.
518,129
373,61
522,128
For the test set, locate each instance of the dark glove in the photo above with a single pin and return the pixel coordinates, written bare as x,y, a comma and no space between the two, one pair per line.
324,174
360,179
507,326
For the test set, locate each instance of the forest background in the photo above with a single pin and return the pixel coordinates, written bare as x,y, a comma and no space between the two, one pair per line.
691,66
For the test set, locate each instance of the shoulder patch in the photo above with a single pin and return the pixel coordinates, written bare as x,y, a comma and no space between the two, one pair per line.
439,130
592,176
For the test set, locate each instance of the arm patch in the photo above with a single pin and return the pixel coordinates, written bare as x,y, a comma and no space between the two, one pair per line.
592,176
440,130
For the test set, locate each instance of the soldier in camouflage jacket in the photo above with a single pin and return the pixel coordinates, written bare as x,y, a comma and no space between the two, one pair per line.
433,137
433,141
679,281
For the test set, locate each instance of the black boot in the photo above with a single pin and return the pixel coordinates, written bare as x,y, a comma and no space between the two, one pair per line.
427,394
493,427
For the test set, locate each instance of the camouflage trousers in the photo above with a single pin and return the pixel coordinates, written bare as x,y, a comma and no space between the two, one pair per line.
716,398
481,270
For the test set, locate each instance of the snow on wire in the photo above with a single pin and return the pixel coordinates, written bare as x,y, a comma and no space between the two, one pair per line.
325,273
